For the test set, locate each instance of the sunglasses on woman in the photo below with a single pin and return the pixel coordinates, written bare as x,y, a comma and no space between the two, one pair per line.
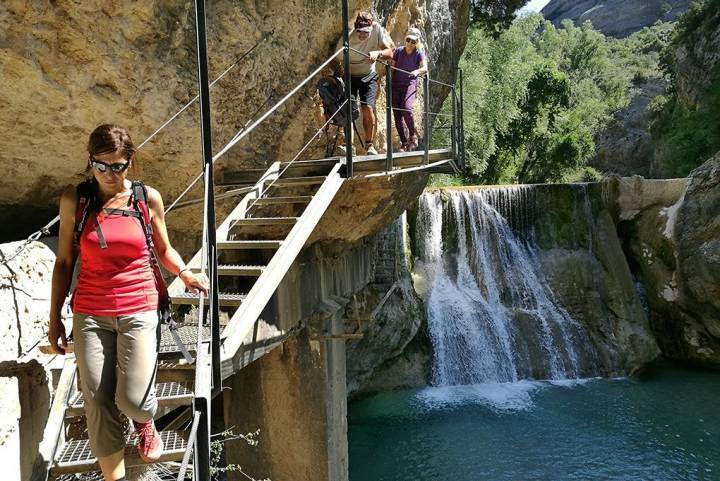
412,41
103,167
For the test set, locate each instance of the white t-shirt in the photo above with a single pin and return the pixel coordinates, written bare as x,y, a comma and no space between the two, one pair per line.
359,65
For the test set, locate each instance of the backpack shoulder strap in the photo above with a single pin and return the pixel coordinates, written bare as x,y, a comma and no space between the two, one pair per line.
140,204
85,193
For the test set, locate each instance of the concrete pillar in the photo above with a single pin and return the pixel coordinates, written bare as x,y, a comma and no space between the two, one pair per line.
31,401
296,397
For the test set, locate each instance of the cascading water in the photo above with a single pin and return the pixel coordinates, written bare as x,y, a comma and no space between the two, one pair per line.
492,316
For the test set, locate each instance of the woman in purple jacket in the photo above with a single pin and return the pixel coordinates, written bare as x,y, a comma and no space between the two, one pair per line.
411,63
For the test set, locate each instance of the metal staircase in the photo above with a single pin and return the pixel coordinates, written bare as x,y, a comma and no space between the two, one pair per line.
251,266
246,259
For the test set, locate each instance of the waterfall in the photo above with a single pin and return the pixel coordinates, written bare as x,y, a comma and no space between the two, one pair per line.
491,314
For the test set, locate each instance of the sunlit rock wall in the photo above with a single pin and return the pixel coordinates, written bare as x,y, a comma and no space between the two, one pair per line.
66,67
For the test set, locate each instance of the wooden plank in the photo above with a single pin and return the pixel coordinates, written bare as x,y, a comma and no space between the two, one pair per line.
376,163
242,321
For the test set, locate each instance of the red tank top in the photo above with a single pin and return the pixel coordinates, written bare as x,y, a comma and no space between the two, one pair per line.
117,280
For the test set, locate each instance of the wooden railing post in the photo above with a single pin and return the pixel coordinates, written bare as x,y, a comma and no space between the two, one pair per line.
388,117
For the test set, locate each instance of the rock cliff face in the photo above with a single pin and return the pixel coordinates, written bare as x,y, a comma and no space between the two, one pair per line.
673,246
67,67
696,60
626,147
616,18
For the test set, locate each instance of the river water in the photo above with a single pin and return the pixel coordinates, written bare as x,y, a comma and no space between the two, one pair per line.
497,329
663,426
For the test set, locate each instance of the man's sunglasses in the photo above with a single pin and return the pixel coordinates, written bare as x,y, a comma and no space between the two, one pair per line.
412,41
103,167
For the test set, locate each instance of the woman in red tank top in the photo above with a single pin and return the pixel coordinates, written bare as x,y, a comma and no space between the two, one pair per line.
115,300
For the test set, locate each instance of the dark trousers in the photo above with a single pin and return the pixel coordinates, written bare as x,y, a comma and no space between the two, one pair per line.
403,98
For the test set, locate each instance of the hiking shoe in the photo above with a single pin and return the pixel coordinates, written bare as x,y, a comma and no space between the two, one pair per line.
149,444
412,144
343,150
370,150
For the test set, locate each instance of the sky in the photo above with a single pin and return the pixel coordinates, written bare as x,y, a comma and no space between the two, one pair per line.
534,6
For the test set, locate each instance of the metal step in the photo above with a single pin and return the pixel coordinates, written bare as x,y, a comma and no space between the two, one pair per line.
167,393
177,370
260,221
295,181
75,456
237,270
226,299
188,334
298,199
249,244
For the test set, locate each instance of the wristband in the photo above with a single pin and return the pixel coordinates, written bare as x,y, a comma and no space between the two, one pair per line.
186,268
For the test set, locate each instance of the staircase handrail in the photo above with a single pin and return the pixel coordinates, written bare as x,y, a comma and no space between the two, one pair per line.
279,104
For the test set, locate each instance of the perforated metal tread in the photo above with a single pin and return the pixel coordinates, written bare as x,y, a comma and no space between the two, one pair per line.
226,299
187,334
249,244
297,199
293,181
237,270
167,393
75,456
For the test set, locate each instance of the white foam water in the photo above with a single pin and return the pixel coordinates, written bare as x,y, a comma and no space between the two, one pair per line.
492,317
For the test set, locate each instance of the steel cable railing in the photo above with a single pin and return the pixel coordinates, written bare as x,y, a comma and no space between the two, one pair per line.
298,154
45,230
267,114
427,134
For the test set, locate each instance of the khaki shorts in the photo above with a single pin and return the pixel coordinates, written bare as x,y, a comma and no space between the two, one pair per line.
116,358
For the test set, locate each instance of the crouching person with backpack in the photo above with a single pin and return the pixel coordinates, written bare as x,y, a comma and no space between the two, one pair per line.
114,225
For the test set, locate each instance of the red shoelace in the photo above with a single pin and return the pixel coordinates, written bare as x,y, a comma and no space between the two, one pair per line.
145,433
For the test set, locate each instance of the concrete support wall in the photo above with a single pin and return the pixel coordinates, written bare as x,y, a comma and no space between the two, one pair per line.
296,396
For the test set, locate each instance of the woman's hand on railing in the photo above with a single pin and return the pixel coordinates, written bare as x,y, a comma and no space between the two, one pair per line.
194,282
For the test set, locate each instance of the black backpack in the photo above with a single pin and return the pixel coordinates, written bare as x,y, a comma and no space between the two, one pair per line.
332,92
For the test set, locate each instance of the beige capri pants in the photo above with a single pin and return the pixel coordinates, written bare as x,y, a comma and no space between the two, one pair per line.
116,358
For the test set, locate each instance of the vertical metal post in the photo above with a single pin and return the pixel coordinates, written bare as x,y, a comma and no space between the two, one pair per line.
454,130
426,129
462,121
202,447
348,102
388,117
206,134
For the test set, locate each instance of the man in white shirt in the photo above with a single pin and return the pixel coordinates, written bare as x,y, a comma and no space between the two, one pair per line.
366,37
